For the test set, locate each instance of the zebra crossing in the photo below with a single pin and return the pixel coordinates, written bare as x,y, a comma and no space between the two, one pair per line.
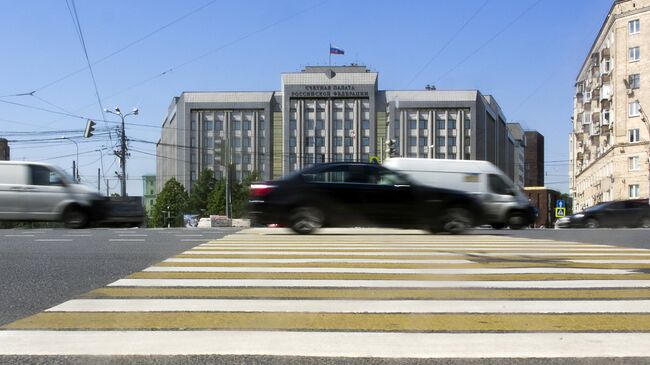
361,293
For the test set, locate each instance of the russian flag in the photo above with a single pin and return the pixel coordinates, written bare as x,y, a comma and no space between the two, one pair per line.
335,50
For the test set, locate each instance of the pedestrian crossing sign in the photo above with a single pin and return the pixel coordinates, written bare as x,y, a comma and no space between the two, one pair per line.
374,159
560,212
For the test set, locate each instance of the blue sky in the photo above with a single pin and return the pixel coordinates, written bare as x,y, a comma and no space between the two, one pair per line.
527,62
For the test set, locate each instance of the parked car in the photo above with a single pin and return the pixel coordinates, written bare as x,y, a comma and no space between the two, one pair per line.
503,203
31,191
359,194
621,213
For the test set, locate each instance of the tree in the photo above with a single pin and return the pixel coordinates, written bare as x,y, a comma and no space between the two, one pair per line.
567,203
240,194
217,199
201,190
174,198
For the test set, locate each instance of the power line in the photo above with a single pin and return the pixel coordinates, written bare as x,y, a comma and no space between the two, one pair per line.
77,23
435,56
128,45
495,36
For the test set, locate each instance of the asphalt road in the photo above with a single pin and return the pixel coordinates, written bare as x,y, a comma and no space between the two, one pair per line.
40,268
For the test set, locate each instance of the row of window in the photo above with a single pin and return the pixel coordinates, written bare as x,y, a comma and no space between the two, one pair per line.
440,124
320,124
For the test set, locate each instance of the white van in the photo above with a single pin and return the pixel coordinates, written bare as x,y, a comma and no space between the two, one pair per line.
32,191
504,204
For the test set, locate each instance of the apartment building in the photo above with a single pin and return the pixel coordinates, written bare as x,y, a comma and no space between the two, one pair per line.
534,159
609,141
519,136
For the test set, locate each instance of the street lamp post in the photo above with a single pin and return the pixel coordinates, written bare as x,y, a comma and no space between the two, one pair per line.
122,153
75,173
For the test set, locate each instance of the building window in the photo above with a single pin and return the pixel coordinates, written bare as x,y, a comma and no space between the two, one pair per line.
365,124
348,157
320,141
309,125
292,125
633,109
262,125
451,123
348,124
292,141
193,125
246,142
338,141
440,155
218,125
365,141
634,26
338,124
236,125
633,191
320,124
423,124
246,158
606,65
338,157
634,81
236,142
412,124
247,125
633,135
309,141
348,141
634,54
422,141
634,163
451,141
440,141
207,125
440,124
412,141
451,156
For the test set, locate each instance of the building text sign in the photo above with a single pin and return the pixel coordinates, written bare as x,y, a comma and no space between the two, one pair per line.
328,91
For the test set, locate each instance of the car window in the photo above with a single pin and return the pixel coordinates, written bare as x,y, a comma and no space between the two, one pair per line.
333,174
43,176
636,204
617,205
382,176
498,185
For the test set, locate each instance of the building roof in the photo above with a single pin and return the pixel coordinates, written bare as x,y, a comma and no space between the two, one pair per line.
227,96
322,78
432,95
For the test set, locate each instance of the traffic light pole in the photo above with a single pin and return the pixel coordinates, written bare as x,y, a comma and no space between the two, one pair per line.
122,159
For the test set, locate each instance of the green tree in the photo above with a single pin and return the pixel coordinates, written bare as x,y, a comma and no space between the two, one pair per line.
201,190
174,198
240,195
217,199
567,203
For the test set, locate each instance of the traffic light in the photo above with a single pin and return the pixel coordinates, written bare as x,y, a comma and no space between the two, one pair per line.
390,148
90,128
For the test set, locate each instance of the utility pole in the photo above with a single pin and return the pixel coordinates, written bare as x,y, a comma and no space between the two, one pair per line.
99,180
122,152
74,171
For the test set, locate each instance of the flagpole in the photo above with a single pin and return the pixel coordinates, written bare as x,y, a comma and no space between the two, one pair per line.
330,53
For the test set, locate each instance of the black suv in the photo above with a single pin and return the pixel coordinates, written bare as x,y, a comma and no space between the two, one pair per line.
621,213
359,194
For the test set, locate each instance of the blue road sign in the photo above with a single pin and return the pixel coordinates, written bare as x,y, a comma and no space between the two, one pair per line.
559,204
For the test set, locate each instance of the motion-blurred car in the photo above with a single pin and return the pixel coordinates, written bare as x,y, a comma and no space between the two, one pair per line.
622,213
359,194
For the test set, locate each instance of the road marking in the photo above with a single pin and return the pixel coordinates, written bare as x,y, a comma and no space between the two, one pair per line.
364,293
353,306
189,235
53,240
77,235
133,235
338,344
193,239
389,322
612,261
400,277
284,261
20,235
542,284
212,253
363,270
126,240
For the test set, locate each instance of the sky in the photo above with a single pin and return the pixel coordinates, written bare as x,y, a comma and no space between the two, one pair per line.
525,53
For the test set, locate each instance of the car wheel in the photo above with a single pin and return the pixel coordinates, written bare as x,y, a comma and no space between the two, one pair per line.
306,220
592,223
457,220
645,222
75,217
516,220
498,225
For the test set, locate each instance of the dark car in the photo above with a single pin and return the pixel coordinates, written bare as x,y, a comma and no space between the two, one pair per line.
359,194
622,213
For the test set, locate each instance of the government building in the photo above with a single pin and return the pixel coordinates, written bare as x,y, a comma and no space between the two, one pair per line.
609,142
324,114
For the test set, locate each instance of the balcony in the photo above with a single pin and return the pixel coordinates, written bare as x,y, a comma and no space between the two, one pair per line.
605,52
595,117
605,78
